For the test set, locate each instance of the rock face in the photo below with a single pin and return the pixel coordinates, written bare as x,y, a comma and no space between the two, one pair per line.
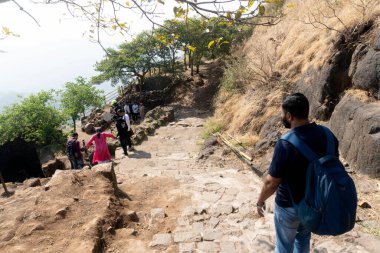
106,169
356,124
155,118
324,87
59,163
355,64
367,74
269,134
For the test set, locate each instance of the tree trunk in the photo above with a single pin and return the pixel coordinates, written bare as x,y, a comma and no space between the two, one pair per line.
173,60
191,63
141,81
75,126
197,69
184,59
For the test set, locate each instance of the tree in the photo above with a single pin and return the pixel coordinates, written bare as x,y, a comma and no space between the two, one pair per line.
79,96
205,38
169,43
33,119
109,14
131,60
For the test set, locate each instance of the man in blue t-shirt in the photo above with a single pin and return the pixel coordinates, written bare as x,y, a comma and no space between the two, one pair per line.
289,167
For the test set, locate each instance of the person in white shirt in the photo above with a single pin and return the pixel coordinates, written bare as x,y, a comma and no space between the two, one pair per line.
127,108
130,132
135,111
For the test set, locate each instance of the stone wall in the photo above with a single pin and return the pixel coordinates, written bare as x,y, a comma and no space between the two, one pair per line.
356,124
155,118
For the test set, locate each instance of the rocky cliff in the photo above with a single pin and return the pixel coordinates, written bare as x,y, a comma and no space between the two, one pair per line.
328,50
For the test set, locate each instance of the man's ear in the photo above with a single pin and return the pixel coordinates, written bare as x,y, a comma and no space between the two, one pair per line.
289,116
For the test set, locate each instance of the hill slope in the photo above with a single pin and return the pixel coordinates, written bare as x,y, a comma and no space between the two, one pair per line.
329,50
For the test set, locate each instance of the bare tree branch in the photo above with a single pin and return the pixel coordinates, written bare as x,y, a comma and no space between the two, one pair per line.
22,9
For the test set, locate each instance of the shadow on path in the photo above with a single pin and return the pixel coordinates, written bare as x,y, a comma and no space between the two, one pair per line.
139,154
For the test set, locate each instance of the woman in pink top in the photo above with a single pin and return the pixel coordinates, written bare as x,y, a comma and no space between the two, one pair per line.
101,153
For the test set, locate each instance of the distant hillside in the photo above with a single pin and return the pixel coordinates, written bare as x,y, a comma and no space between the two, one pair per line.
8,98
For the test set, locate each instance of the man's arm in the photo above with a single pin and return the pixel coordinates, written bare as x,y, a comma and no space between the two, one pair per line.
269,187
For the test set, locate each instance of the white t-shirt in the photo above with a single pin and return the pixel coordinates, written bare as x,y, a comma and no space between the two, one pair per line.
126,108
126,118
135,108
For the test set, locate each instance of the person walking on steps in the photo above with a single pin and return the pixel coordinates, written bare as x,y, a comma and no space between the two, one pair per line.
101,154
123,126
135,112
287,175
128,108
73,151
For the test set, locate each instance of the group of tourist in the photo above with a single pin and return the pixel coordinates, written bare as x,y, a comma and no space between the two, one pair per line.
287,175
101,154
135,111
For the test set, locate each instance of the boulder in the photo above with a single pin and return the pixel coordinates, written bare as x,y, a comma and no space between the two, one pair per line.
112,146
59,163
358,54
367,74
356,124
89,128
33,182
107,116
106,170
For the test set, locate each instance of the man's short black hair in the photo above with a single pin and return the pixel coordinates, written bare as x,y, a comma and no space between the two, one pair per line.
120,110
74,134
297,105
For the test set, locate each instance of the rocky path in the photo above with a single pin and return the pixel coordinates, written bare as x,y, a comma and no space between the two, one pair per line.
183,204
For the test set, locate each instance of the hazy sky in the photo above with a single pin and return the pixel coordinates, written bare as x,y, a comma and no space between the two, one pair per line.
48,56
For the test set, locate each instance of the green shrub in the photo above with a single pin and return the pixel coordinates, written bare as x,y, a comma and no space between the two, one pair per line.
236,77
210,128
33,119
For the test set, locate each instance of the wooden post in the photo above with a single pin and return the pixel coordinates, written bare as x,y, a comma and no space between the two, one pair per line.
3,183
234,149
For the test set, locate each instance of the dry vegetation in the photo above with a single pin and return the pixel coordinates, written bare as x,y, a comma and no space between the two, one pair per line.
275,57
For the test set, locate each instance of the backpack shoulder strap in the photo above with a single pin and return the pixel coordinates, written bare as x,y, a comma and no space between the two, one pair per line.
293,139
330,149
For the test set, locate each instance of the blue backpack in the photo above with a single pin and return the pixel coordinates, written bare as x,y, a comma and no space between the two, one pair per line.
330,201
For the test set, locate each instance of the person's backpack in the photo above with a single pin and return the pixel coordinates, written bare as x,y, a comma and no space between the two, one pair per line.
70,149
330,201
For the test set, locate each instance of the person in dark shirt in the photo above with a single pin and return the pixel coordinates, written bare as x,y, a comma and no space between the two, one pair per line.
288,167
123,130
74,153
